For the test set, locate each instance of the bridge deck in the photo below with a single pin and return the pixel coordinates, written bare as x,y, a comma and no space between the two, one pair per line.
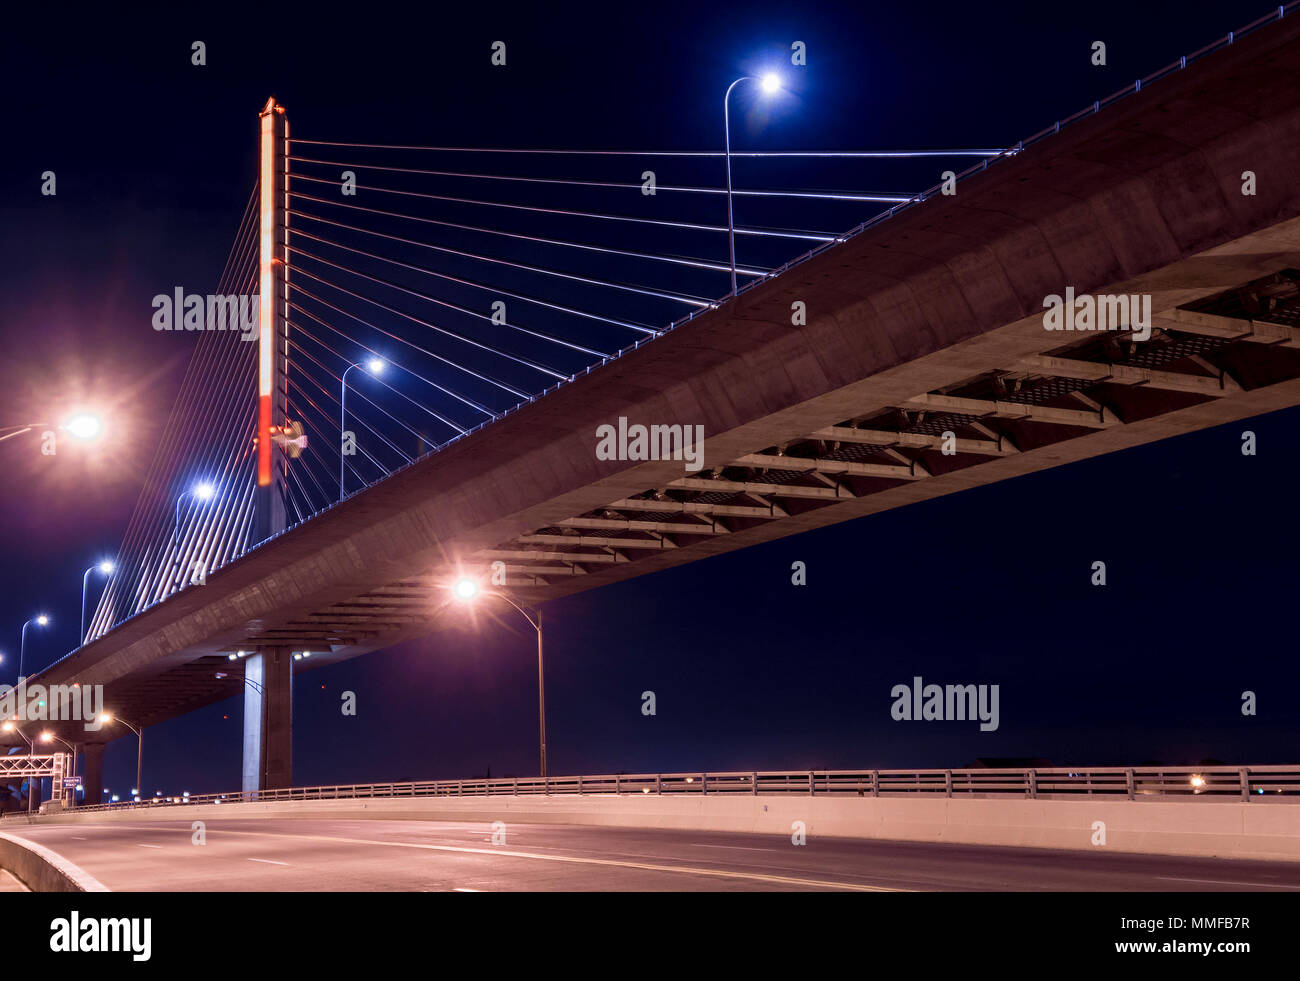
927,324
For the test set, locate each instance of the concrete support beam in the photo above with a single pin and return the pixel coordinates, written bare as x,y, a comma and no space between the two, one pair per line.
1014,410
666,527
268,720
1229,328
1119,374
915,441
889,470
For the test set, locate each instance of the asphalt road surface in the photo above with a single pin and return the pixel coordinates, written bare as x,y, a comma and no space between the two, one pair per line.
325,855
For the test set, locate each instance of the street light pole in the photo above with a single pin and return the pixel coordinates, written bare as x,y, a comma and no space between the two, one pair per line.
107,569
374,366
31,751
467,589
139,752
770,84
40,621
536,622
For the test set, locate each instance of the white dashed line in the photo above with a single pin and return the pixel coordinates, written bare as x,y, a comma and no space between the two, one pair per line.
267,861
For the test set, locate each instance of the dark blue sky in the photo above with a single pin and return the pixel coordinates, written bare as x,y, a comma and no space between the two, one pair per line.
154,159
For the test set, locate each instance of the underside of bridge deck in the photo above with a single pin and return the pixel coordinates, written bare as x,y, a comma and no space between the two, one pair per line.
924,368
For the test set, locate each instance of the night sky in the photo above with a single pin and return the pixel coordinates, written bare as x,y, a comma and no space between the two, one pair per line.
154,160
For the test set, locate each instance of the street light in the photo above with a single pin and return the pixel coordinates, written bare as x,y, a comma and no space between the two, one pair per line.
106,568
139,737
12,726
376,367
203,491
83,426
466,590
41,621
770,84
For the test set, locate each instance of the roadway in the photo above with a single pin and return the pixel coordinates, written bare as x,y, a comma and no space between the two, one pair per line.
249,855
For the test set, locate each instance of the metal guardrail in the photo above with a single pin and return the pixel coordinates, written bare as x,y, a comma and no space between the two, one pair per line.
1058,783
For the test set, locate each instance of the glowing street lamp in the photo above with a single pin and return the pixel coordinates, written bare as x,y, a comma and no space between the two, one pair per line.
376,367
105,568
83,426
49,737
771,85
41,621
204,491
466,590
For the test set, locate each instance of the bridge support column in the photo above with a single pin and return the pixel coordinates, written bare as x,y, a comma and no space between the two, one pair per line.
268,720
273,326
92,784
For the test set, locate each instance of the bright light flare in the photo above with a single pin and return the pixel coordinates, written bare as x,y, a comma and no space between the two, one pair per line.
43,620
106,567
466,589
204,492
84,426
375,366
771,83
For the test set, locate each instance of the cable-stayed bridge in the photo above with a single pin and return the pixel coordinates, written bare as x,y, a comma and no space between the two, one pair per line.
469,319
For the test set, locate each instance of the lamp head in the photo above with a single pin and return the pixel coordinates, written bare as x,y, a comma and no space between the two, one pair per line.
466,589
771,83
83,426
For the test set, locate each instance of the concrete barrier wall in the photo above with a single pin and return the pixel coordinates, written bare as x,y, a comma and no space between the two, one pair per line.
1257,829
42,870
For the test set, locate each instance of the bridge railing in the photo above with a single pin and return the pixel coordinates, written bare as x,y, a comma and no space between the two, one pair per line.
1221,783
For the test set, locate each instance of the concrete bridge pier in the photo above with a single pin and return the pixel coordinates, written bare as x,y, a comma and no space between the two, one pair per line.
268,720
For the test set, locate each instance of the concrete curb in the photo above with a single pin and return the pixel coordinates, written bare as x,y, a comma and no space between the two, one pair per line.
42,870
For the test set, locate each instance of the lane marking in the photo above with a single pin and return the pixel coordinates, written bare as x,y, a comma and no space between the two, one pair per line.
1223,882
267,861
739,848
574,860
78,838
147,846
463,889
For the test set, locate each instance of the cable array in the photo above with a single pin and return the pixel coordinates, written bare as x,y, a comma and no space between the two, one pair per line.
426,297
